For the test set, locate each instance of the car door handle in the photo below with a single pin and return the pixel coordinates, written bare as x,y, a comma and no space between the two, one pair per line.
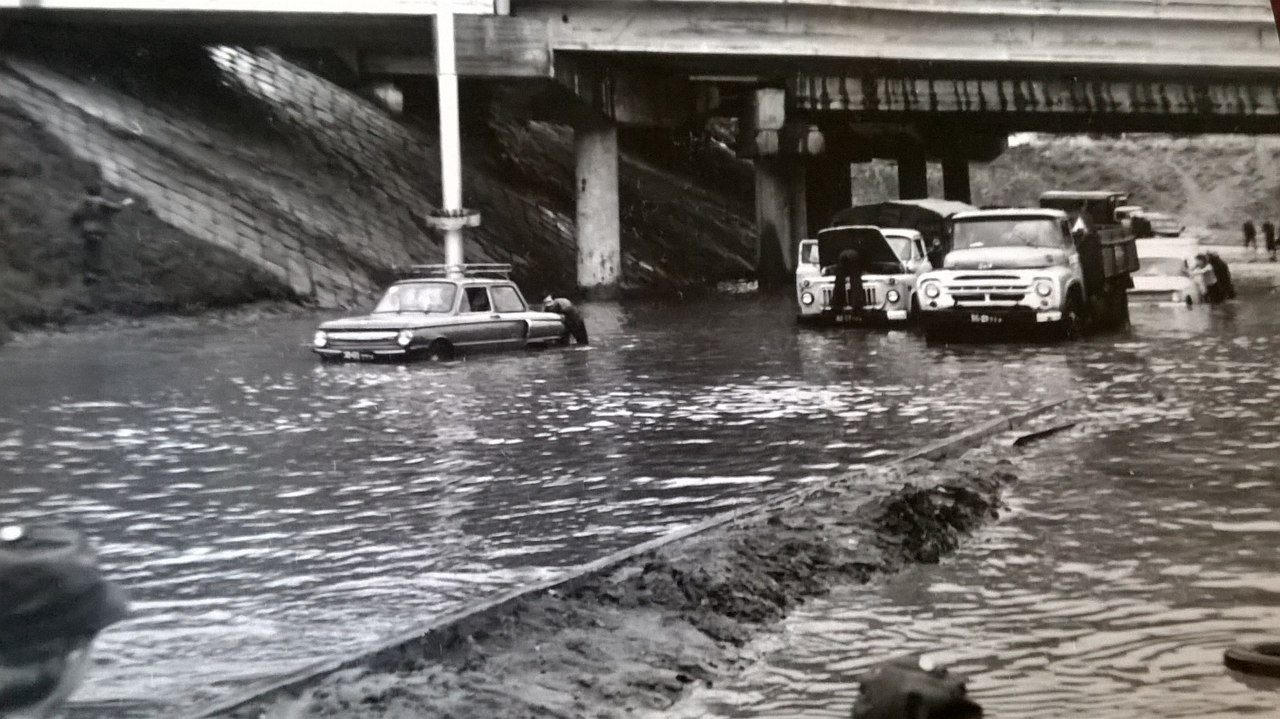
495,316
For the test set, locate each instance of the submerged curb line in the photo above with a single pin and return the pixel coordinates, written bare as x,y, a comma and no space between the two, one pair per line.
576,577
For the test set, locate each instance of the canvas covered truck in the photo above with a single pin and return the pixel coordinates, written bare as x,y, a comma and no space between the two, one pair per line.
1026,268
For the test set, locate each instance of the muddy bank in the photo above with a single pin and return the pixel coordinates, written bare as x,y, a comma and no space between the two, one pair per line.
635,638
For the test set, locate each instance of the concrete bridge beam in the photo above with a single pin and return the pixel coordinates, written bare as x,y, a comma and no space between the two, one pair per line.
828,188
781,217
913,174
955,179
598,228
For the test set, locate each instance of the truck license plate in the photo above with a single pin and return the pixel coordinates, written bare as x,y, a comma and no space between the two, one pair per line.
985,319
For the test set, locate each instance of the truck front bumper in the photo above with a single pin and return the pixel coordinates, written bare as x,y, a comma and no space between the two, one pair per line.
989,317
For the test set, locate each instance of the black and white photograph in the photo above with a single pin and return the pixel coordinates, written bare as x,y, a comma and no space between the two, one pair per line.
623,359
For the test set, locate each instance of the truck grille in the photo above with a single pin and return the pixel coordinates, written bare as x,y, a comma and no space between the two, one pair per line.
988,290
868,299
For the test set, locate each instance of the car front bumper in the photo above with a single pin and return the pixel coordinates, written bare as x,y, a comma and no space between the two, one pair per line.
372,354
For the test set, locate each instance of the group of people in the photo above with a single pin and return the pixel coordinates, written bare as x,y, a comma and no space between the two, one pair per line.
1268,237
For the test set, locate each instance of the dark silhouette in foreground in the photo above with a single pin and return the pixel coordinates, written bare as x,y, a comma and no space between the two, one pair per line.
573,321
53,603
912,687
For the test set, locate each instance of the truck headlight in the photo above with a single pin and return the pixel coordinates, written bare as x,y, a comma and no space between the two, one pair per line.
404,338
931,291
320,339
806,298
892,296
1044,288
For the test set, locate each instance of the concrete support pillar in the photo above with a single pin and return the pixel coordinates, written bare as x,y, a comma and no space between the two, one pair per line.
827,190
955,179
781,217
913,176
599,232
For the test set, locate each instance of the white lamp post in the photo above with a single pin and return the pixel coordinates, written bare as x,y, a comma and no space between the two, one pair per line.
451,217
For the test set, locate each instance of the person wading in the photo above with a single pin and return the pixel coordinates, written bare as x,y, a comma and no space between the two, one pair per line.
93,219
848,296
573,321
1269,237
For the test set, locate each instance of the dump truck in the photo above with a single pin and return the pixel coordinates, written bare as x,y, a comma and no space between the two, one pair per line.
1037,268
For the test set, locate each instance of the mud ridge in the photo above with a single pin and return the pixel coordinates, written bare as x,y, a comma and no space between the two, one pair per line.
635,638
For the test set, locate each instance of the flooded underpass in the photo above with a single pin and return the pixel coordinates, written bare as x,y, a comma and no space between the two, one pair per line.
266,511
1138,547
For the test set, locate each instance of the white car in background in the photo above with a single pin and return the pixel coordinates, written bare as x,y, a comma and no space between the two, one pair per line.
1164,274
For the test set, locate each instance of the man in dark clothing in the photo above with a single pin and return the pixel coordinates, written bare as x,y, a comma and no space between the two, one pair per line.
1250,236
1226,290
573,322
1269,236
848,294
93,219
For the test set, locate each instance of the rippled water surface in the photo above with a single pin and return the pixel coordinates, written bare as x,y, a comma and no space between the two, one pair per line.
1138,548
266,511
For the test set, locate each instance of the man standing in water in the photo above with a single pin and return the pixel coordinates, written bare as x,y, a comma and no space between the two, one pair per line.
1250,236
848,294
573,321
93,219
1269,237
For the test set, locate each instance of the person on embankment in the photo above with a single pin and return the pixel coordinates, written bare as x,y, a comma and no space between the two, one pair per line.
573,321
93,220
53,603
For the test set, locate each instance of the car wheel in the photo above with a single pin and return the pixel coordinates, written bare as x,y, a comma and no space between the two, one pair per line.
438,351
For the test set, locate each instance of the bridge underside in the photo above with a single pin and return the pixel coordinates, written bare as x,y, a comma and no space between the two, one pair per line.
814,85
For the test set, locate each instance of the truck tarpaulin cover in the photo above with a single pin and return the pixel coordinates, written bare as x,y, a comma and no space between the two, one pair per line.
1275,14
928,217
874,252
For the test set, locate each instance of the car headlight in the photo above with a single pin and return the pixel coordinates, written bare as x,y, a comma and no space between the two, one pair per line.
404,338
931,291
892,296
806,298
320,339
1044,288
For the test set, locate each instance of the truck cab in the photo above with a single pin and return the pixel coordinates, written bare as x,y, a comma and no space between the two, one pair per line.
892,259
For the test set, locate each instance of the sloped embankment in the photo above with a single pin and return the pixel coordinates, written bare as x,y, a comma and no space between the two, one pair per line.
321,192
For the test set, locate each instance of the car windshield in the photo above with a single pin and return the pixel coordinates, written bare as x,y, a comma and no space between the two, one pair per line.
418,297
1162,266
901,246
1007,232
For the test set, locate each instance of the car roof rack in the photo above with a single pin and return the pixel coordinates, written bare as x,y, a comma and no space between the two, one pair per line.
492,270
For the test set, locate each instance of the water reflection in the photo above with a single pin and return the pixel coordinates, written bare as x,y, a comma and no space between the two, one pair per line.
1120,576
266,510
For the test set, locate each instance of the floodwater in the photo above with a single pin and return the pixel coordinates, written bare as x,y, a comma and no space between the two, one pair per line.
1138,547
266,511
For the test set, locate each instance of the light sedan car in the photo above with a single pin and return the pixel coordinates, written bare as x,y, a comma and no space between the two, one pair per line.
1165,280
439,317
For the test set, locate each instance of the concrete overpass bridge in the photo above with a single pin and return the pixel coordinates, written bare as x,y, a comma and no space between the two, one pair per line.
814,84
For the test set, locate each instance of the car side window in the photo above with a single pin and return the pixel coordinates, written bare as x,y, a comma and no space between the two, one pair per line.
506,299
475,299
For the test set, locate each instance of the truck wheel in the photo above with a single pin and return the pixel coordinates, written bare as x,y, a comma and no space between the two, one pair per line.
1072,323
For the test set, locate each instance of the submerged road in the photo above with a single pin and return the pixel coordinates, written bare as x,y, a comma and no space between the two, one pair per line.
1139,547
266,511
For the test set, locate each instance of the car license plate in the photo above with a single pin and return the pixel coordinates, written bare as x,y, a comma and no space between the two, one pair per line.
357,355
978,319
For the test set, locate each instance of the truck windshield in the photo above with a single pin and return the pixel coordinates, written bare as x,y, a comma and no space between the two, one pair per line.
901,246
1007,232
